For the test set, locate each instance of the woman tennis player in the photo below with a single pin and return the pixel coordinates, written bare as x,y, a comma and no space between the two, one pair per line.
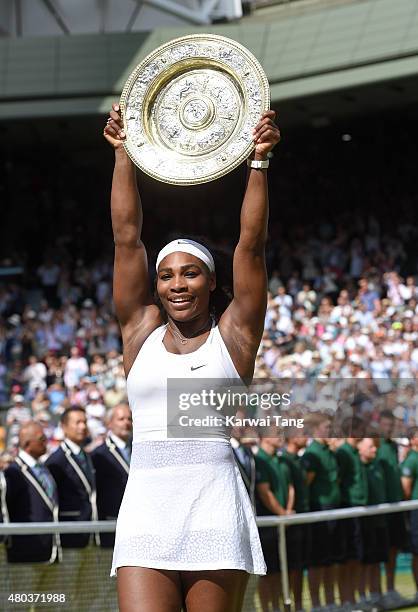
186,535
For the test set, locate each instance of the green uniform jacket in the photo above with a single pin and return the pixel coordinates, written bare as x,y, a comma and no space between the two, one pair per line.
409,469
324,491
298,476
387,456
377,490
272,469
353,477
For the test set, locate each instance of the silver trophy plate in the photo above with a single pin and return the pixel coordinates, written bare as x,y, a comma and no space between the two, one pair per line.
190,107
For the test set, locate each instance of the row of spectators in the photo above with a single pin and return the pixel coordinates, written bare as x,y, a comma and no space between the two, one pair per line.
71,485
371,332
283,476
298,475
54,356
46,388
342,301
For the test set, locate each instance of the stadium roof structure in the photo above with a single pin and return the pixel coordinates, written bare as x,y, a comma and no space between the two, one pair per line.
68,17
323,58
23,18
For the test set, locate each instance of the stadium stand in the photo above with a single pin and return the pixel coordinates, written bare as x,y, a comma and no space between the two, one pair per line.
342,304
341,328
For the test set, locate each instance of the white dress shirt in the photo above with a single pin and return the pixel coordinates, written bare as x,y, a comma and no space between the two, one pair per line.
118,441
28,459
73,446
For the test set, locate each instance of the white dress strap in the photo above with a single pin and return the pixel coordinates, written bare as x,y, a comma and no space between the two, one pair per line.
225,355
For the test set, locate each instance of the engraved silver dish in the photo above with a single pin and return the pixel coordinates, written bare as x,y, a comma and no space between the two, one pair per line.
189,109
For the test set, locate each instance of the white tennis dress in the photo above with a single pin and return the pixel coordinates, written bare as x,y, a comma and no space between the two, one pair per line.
185,505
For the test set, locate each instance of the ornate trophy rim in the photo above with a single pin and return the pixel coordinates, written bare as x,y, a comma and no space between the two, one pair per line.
175,70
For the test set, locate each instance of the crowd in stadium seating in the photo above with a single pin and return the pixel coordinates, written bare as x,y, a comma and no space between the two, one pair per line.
339,318
338,309
342,306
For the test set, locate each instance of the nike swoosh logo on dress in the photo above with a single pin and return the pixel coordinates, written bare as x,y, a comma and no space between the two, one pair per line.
197,367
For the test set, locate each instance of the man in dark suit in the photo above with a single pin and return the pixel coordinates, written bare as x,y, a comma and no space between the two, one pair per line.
111,462
31,496
244,457
73,472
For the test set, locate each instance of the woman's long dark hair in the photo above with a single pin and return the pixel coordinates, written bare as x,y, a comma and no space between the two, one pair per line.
222,295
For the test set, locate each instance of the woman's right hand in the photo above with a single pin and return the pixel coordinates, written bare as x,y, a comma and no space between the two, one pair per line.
113,131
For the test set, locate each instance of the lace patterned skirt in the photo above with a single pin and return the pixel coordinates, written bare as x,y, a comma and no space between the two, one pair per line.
186,507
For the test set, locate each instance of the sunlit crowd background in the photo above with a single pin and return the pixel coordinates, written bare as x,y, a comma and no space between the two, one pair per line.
341,327
342,309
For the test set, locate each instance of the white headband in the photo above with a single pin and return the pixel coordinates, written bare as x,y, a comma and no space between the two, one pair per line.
187,246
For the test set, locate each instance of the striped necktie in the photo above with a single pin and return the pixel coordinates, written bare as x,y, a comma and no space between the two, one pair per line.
82,459
85,466
46,480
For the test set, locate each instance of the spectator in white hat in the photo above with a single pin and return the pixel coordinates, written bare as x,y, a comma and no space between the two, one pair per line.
76,367
35,375
96,412
16,416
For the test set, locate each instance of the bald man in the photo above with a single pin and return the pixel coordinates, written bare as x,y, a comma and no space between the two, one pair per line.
31,496
111,462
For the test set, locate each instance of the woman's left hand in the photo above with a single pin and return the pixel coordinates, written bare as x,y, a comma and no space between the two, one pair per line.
266,134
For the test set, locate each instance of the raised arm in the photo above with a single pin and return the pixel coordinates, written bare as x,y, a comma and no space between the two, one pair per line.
243,322
134,305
